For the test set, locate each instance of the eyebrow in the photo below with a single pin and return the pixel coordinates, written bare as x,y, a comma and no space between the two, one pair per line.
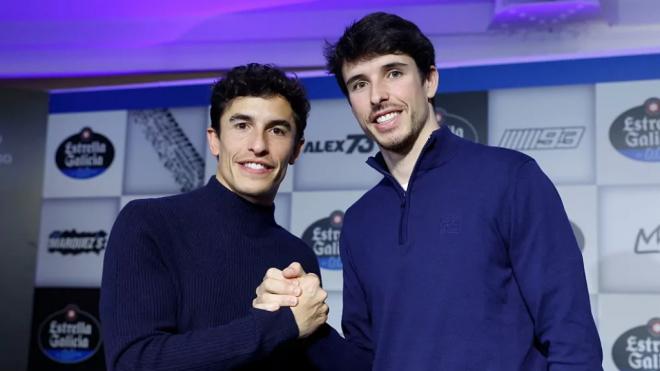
284,123
244,117
240,117
385,67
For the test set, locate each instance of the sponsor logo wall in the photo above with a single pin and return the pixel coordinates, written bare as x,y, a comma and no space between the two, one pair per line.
597,143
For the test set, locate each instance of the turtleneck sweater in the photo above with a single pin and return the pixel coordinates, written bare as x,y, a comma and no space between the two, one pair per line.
179,276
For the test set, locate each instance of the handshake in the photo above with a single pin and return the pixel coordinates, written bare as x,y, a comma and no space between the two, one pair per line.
294,288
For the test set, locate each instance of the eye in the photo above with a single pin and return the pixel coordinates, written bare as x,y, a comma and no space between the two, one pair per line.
279,131
394,74
357,85
241,125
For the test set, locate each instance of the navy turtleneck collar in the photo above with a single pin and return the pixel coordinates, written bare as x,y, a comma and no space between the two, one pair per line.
249,217
439,148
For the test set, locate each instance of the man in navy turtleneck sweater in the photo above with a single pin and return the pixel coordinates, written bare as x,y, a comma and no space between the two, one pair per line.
180,272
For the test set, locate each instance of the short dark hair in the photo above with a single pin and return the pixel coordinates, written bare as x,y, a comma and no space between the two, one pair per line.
260,80
379,34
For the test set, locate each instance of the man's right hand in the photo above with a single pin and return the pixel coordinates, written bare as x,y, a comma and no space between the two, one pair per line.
294,288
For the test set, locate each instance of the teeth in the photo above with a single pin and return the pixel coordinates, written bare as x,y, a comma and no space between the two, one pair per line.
254,165
386,117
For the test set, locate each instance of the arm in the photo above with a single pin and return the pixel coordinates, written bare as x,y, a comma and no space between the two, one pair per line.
139,306
548,267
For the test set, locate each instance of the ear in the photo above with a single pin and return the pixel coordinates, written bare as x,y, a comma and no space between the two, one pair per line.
297,150
213,139
431,83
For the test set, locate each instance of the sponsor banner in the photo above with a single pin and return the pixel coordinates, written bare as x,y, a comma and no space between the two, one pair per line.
335,302
581,204
317,217
66,333
72,240
335,150
630,332
85,154
165,150
466,114
628,137
630,239
554,125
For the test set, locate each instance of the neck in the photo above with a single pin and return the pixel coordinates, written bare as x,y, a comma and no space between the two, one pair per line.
401,165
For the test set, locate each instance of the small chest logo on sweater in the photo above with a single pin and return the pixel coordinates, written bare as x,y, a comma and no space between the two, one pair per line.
636,132
73,242
449,225
323,237
84,155
69,336
639,348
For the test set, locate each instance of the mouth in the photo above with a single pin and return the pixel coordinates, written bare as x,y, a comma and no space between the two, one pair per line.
384,116
256,167
385,120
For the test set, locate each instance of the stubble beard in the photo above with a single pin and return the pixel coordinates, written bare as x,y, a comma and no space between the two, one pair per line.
406,141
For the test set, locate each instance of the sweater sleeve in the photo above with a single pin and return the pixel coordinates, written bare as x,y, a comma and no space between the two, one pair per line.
547,265
139,306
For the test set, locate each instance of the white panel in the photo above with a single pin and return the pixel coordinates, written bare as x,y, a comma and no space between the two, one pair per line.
625,331
630,239
165,150
335,151
613,104
336,303
68,255
581,206
554,125
109,124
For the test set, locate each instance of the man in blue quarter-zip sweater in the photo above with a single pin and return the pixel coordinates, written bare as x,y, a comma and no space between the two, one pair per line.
180,272
461,258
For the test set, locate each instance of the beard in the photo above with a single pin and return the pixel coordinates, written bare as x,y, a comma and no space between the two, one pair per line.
403,143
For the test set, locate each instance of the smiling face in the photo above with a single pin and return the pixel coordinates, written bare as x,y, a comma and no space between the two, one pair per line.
390,100
255,145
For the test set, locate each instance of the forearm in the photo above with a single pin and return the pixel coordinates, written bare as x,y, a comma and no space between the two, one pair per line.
237,343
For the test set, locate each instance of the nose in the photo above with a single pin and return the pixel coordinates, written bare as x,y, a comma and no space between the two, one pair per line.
379,93
258,143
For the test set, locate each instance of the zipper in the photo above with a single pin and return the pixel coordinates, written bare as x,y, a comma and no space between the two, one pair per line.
405,194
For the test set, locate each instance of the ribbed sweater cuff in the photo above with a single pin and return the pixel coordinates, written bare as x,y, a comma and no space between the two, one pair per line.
275,327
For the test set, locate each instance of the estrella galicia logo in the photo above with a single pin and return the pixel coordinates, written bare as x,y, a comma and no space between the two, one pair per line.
69,336
74,243
638,348
648,243
457,124
323,237
84,155
567,137
579,236
636,132
359,143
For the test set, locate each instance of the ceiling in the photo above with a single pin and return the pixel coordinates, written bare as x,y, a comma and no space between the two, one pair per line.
92,40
